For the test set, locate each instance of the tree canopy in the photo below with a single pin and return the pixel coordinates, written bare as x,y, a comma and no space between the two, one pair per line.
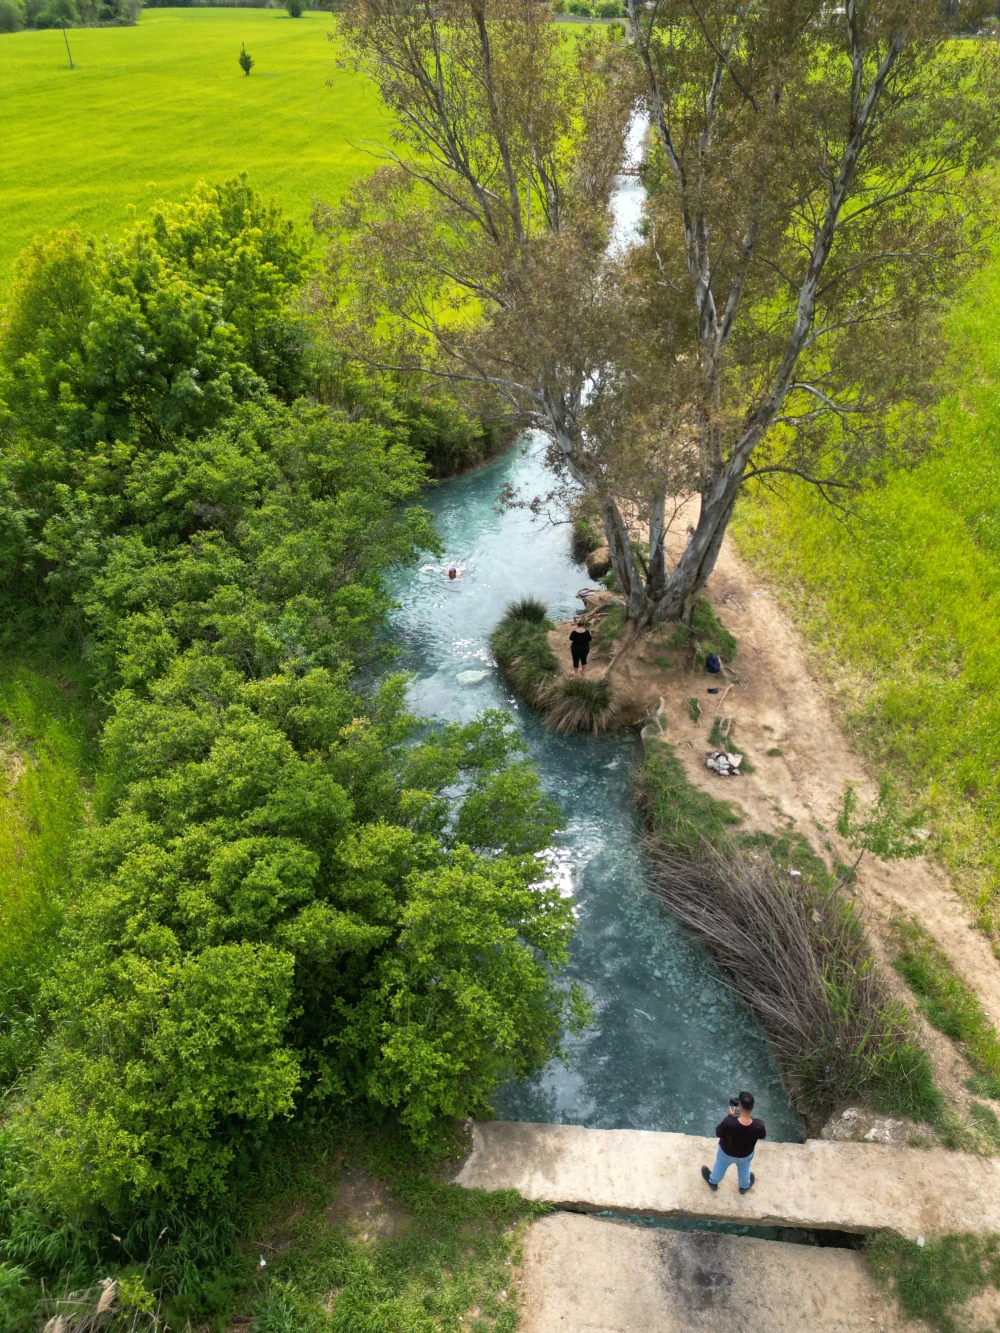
816,196
295,899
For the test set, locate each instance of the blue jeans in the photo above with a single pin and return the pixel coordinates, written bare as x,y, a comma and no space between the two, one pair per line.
722,1164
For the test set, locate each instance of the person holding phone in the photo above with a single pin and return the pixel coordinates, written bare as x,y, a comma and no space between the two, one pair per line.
738,1134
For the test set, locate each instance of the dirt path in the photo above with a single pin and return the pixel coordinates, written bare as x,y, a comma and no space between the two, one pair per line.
777,706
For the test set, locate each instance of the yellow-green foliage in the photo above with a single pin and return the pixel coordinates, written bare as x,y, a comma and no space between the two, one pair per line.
45,757
907,596
150,110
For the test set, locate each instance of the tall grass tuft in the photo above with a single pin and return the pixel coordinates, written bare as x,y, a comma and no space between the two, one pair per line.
796,953
581,704
528,611
521,647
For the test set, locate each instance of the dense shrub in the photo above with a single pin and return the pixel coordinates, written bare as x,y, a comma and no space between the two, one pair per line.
294,8
588,534
282,908
67,13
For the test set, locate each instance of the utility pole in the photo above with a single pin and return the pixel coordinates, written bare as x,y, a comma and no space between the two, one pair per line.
68,51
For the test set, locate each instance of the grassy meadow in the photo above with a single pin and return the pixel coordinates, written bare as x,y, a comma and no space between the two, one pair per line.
150,110
902,603
47,755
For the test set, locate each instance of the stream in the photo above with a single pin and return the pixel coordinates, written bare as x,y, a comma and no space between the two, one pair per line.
669,1042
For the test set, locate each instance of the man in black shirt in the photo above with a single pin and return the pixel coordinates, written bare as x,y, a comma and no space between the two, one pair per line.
739,1135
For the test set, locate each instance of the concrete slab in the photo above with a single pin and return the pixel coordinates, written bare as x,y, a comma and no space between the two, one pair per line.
581,1275
835,1186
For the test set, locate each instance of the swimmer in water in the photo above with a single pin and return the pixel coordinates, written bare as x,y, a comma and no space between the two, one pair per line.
453,572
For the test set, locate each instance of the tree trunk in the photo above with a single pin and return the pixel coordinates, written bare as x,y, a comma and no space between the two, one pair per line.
630,580
657,581
698,560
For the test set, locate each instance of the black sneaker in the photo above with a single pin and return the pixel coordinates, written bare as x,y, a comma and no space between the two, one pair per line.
707,1177
750,1186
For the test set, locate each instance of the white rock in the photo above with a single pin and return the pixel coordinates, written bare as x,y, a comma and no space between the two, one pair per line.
471,677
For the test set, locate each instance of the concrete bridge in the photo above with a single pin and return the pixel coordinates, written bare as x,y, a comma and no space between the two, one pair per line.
816,1185
593,1275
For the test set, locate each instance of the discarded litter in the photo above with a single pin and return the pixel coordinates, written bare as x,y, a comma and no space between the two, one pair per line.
722,762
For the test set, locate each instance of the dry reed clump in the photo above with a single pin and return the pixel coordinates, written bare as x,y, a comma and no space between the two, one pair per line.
796,953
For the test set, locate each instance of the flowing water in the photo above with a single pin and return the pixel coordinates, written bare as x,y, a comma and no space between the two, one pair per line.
669,1043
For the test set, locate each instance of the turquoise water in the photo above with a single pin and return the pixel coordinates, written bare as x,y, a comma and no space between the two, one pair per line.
669,1041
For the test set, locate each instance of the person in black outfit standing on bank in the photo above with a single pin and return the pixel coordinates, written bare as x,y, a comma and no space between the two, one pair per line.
579,644
739,1135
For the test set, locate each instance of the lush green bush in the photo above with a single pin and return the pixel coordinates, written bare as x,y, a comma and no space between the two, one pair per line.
588,535
11,16
294,8
46,763
70,13
282,907
609,9
580,8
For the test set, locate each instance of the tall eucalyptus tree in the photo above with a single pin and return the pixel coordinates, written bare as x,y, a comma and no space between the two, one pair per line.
816,198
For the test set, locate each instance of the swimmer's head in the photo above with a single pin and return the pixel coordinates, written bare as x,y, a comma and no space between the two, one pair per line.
453,572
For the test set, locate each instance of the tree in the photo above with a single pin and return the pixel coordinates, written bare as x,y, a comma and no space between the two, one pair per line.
294,8
816,210
482,234
814,204
295,898
245,60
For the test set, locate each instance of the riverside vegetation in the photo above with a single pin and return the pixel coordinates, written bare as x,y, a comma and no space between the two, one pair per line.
265,916
200,505
901,597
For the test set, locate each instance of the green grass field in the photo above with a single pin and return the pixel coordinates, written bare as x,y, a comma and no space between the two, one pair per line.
906,597
47,756
151,110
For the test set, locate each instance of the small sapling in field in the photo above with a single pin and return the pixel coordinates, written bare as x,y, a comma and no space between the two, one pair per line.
245,59
884,829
